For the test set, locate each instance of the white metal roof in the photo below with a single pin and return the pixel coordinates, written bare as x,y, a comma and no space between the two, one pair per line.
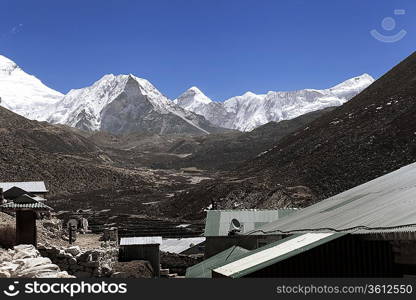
28,186
385,204
267,254
143,240
180,245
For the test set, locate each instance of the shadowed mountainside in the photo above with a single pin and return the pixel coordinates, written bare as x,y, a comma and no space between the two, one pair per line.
369,136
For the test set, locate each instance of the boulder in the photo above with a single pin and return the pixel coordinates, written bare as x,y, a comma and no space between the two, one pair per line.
25,261
25,251
9,266
5,256
36,272
28,263
74,250
5,274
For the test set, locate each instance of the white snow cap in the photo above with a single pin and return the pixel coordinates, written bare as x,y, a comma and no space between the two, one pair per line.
23,93
7,65
193,99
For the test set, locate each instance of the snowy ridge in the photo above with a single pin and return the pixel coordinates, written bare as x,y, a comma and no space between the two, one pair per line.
24,93
102,105
250,110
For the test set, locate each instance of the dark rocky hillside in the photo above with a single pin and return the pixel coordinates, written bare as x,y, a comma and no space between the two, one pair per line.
227,151
371,135
68,162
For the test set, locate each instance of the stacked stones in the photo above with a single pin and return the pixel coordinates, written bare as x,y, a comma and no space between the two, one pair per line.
82,264
25,261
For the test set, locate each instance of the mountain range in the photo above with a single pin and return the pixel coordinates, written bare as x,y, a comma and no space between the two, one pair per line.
248,111
122,104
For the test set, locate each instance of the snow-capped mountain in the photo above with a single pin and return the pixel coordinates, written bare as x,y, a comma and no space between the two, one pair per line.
123,104
250,110
23,93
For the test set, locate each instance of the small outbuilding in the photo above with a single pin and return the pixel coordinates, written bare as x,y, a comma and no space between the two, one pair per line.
142,248
227,228
27,210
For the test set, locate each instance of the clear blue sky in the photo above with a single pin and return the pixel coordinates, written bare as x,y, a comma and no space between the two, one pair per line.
225,47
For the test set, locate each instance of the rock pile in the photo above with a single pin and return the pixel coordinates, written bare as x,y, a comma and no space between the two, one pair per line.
25,261
82,264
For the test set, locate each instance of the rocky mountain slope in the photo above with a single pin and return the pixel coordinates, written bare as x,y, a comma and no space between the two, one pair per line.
371,135
68,162
24,93
249,111
228,150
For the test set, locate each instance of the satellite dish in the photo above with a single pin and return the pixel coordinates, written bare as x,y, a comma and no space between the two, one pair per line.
235,226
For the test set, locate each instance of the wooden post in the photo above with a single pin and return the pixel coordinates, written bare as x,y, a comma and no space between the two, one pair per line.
72,233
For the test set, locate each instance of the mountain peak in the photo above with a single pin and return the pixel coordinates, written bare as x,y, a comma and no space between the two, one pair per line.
352,86
24,94
7,65
192,98
195,90
250,94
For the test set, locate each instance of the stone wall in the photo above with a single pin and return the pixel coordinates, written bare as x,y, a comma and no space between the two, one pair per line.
82,264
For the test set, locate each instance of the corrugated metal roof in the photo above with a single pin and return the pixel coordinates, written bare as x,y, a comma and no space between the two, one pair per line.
180,245
143,240
29,186
385,204
36,206
274,252
218,221
203,269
